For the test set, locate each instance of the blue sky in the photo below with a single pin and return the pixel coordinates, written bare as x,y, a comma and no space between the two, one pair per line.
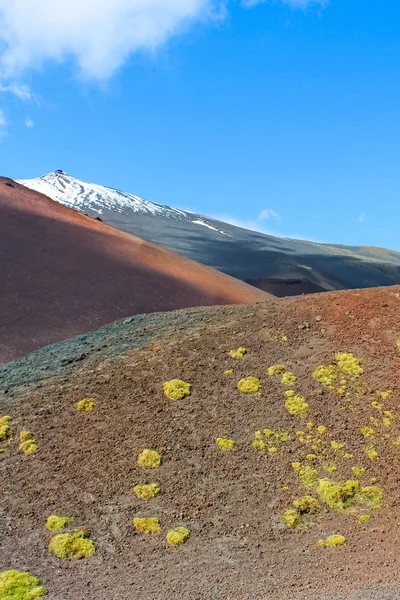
281,115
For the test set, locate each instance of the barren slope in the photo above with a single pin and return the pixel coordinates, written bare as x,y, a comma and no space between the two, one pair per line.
232,502
62,273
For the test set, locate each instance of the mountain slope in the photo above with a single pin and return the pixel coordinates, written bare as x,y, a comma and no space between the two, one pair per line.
62,273
233,502
277,265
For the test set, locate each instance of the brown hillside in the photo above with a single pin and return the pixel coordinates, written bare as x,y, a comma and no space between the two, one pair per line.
233,501
62,273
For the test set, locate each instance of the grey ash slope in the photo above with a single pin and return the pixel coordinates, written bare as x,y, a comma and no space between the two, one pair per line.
278,265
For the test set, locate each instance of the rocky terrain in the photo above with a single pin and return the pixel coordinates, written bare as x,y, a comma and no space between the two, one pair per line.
268,455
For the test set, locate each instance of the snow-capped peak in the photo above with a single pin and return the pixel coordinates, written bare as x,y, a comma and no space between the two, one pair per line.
85,197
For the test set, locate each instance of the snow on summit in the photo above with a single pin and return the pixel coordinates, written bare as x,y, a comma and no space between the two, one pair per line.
84,196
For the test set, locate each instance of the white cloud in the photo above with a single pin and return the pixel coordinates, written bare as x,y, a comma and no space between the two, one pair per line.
268,213
21,91
28,122
98,35
3,123
361,218
292,3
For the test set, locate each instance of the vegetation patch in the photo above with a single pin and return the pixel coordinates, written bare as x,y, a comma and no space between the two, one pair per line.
19,585
228,372
149,459
347,369
150,525
72,545
177,536
86,405
275,370
291,518
55,523
288,379
147,491
225,444
332,540
176,389
27,442
249,385
307,505
337,496
297,406
238,353
5,428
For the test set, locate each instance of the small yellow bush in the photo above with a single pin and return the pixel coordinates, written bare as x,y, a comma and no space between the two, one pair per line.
291,517
86,405
321,429
177,536
288,379
307,475
239,353
176,389
146,492
332,540
337,496
358,471
371,452
75,545
367,432
364,518
372,495
249,385
228,372
27,442
55,523
150,525
225,444
306,505
336,445
19,585
149,459
276,370
297,406
4,428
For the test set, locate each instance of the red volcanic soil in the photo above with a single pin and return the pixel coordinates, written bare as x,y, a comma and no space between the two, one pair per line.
62,273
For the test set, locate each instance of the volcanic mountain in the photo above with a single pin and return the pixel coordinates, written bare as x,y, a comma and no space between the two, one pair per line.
63,273
280,266
265,438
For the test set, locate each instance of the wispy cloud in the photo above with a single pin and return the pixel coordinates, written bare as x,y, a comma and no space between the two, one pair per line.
292,3
28,122
99,37
267,214
3,123
21,91
361,218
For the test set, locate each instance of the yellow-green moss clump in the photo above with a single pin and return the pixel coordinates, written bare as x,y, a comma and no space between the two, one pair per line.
306,474
307,505
297,406
347,368
288,379
4,428
176,389
363,518
86,405
149,459
150,525
239,353
249,385
291,518
72,545
19,585
225,444
371,452
177,536
146,492
358,471
332,540
27,442
276,370
372,495
337,496
258,443
228,372
55,523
